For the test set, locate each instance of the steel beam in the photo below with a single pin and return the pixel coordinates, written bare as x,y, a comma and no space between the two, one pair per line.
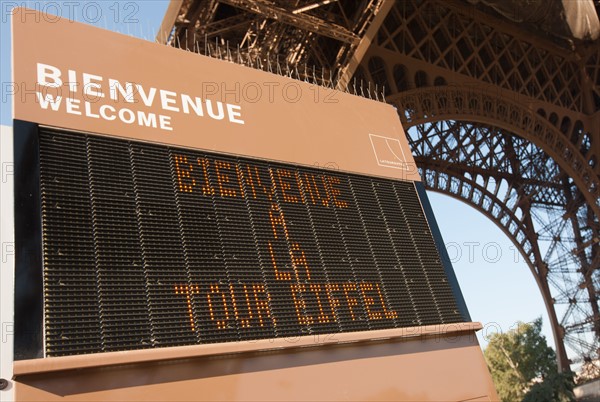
348,68
168,22
303,21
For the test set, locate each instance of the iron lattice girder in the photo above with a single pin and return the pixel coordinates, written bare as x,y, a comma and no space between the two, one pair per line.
303,21
486,201
441,103
455,37
444,151
499,188
324,33
540,193
239,22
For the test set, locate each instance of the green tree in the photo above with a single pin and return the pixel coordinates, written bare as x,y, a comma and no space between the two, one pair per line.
556,387
524,368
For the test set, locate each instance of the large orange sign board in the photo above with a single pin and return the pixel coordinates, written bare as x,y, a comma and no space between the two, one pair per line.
109,84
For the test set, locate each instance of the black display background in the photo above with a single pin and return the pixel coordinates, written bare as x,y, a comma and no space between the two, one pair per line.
125,244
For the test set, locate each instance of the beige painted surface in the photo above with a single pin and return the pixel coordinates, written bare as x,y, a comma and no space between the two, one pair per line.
62,363
283,119
436,368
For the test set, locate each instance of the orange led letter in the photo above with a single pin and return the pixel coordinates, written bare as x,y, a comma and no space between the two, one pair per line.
296,254
370,301
311,187
299,259
184,171
285,186
221,168
212,304
386,312
373,315
351,301
300,305
252,179
276,218
243,322
334,193
262,305
188,291
246,323
281,276
206,188
333,302
316,289
240,178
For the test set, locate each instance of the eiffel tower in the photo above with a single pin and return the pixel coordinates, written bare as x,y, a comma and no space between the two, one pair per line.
500,100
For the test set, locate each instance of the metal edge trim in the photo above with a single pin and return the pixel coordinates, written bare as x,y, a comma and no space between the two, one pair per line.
53,364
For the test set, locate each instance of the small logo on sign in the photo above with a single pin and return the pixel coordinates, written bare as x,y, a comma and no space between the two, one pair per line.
388,152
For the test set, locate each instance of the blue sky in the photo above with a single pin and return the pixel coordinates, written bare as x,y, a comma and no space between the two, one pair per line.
497,284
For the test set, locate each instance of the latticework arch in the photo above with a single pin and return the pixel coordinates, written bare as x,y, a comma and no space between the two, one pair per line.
436,103
475,163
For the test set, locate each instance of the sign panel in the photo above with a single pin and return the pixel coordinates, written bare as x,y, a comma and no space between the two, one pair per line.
185,200
164,199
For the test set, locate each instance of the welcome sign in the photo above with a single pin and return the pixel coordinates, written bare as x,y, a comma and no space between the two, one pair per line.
171,208
181,201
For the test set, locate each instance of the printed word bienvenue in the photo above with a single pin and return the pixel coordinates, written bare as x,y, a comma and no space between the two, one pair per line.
96,93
